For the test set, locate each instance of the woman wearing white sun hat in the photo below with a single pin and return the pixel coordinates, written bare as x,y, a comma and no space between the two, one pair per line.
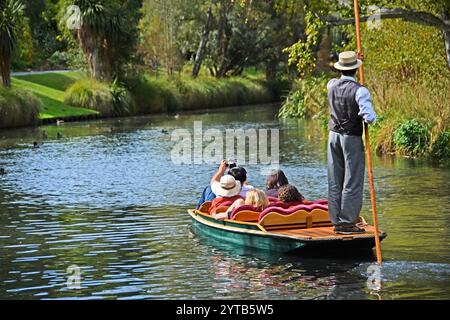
225,187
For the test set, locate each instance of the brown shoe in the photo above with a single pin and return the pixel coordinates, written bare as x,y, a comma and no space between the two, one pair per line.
348,230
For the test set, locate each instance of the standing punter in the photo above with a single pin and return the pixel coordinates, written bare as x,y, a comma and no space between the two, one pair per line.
349,104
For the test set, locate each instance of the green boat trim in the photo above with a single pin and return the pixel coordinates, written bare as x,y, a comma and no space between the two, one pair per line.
254,235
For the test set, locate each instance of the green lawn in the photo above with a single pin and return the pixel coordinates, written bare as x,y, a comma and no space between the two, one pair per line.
50,89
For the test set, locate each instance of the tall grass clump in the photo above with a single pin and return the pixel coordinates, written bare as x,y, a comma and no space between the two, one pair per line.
108,99
153,95
307,99
18,108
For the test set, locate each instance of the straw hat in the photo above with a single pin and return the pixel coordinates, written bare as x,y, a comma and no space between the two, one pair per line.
227,187
348,60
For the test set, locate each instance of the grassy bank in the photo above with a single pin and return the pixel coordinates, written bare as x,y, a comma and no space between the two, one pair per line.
18,108
63,95
413,117
147,95
50,88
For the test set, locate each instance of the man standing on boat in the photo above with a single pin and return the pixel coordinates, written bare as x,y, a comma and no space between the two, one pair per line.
349,104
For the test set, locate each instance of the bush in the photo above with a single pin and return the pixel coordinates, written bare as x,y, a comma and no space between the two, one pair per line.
18,108
58,60
308,98
440,150
154,95
412,138
109,100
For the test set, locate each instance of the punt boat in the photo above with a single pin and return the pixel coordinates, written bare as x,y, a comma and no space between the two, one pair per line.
283,229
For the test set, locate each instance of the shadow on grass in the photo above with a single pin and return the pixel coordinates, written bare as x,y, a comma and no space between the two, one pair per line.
57,81
56,109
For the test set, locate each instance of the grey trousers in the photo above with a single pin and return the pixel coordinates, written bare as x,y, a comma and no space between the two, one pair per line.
346,166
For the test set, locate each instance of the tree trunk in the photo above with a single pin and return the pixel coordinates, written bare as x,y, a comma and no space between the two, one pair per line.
5,71
95,48
446,18
202,45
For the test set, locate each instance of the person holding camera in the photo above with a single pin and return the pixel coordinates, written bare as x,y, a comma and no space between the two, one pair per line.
238,173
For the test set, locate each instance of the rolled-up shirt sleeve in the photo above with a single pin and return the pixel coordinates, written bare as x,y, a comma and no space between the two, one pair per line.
365,105
331,83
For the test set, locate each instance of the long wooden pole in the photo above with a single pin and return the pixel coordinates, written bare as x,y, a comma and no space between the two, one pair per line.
367,140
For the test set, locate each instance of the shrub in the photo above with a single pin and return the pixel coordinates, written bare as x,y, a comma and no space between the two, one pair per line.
109,100
18,108
58,60
412,138
308,98
440,150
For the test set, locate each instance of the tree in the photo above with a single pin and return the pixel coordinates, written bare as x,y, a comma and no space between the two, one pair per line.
11,12
106,34
435,13
203,42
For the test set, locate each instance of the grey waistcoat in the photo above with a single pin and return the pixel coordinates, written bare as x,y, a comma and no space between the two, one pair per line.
344,109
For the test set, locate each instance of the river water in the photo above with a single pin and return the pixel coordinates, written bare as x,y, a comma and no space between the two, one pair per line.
104,196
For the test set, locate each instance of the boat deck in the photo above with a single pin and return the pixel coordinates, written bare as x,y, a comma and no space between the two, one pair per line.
325,233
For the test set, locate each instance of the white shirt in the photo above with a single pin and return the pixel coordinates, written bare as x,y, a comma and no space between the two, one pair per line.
245,188
362,98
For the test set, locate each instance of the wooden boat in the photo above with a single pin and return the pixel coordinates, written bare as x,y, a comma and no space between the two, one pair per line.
281,229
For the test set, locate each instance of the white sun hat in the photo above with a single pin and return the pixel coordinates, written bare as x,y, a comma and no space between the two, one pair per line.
227,187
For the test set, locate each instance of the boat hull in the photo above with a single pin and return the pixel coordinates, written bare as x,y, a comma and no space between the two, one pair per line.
250,235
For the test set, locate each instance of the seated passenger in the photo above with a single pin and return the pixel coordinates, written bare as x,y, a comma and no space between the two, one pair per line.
290,194
239,173
275,180
225,187
255,198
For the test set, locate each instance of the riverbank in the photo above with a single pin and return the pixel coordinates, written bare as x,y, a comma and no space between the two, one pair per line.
412,116
71,96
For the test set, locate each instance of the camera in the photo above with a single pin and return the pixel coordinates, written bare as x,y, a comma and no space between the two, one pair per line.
232,164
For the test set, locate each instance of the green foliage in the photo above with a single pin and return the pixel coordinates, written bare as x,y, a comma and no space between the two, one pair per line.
308,98
92,94
402,51
107,33
441,148
302,53
18,108
412,137
184,93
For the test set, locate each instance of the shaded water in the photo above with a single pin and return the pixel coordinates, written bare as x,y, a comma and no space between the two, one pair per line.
107,198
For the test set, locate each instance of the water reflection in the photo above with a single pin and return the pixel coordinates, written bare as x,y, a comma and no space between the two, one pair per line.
106,197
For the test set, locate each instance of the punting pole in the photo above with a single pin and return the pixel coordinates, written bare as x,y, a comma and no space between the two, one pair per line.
367,140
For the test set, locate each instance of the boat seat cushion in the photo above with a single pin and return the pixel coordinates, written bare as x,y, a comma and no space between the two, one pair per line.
300,216
286,211
245,213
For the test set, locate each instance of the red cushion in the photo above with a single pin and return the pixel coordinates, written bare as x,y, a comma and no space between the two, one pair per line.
291,210
273,199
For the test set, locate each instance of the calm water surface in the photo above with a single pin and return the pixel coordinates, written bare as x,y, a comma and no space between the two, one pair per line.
107,198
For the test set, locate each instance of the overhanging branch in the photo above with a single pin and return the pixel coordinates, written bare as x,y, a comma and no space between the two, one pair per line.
421,17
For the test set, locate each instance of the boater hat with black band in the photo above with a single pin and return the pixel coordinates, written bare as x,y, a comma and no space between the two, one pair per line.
348,60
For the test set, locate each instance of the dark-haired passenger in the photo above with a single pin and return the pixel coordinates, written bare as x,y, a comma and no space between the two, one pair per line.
275,180
290,194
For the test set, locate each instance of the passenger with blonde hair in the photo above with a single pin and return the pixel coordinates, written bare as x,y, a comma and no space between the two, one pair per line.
255,197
